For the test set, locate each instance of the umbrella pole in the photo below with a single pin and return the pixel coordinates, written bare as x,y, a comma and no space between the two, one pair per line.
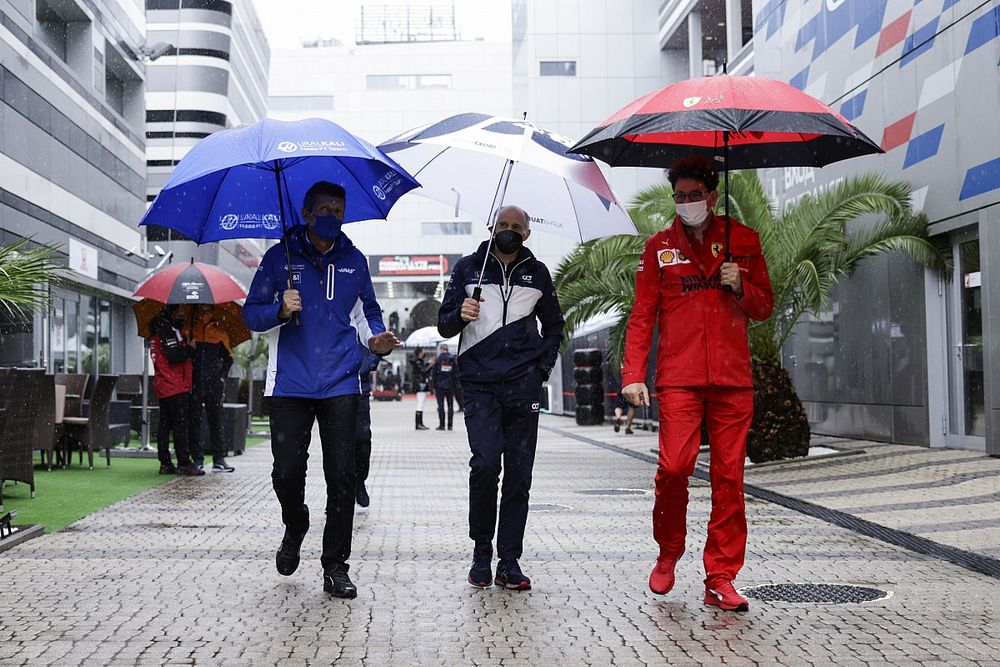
284,233
497,203
725,143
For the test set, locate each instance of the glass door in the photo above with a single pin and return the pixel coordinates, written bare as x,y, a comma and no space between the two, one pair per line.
966,389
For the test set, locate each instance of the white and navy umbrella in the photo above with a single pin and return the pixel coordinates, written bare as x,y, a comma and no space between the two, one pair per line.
480,162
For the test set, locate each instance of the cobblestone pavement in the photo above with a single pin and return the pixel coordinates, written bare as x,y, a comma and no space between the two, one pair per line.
184,574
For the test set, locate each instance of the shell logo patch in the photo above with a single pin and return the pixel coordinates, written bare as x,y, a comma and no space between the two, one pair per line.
716,249
671,257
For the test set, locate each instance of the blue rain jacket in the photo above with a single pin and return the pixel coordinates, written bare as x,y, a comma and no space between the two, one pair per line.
320,357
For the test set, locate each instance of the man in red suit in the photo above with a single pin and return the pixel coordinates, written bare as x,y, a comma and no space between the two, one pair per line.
702,303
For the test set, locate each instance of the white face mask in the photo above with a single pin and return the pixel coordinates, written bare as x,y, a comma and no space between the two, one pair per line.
693,213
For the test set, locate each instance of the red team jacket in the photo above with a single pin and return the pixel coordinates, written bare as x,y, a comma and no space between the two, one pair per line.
703,328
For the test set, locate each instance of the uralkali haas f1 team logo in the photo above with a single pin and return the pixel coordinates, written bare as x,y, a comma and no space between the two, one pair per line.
386,184
311,146
249,221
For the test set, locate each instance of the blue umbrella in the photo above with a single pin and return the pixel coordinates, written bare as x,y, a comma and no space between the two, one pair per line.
250,181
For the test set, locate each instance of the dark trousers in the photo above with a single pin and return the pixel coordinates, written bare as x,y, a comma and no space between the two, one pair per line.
363,439
209,399
442,395
291,428
502,421
173,420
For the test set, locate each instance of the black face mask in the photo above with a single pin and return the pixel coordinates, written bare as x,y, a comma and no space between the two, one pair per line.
508,241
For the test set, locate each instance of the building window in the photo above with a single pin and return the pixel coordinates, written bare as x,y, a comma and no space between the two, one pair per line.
300,103
557,68
446,228
64,27
409,81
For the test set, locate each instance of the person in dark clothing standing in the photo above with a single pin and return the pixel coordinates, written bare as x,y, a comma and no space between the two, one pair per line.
444,390
502,363
420,372
363,438
313,376
212,361
172,385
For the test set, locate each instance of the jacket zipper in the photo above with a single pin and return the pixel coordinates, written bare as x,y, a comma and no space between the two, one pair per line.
506,291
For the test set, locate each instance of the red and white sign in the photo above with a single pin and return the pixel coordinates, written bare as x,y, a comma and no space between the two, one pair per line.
413,265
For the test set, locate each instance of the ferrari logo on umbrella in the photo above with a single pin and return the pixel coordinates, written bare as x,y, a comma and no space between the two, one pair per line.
691,101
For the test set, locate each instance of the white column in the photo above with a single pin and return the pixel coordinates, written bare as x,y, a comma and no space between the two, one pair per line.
734,28
696,67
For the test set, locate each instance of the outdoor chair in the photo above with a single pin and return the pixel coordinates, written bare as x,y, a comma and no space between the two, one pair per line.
91,432
48,427
17,426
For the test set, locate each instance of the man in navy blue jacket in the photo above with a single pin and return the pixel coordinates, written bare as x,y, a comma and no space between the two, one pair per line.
313,371
502,362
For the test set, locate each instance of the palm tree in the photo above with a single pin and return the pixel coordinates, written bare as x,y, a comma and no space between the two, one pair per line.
808,248
25,277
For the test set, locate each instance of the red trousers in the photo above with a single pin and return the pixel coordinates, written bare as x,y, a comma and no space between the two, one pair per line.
728,412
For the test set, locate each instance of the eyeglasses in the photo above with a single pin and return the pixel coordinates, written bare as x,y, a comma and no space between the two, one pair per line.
694,195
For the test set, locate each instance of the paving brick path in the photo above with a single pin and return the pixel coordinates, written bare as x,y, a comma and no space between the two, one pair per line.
184,573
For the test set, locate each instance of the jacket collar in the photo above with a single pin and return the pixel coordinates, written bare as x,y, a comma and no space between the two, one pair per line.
299,242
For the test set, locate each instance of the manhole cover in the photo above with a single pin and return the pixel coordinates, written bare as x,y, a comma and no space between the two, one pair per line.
615,492
549,507
815,593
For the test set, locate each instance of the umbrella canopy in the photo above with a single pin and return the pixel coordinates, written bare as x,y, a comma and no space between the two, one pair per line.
228,316
429,337
251,181
191,283
766,123
478,162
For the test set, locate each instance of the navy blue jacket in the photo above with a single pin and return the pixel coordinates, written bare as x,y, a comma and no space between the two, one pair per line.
320,357
504,343
444,371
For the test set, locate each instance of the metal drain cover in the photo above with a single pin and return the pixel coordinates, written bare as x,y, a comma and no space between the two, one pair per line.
815,593
615,492
549,507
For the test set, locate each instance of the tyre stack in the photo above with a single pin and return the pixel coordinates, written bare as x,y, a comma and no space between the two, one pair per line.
588,374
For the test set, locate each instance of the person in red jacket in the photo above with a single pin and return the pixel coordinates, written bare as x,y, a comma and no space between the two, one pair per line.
702,304
172,386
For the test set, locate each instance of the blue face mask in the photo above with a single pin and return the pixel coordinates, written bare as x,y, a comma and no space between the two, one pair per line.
327,227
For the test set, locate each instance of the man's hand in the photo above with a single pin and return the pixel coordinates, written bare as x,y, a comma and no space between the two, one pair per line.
470,310
384,343
291,302
636,393
729,272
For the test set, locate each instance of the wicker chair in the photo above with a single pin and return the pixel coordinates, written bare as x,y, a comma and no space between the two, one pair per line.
16,454
91,432
48,424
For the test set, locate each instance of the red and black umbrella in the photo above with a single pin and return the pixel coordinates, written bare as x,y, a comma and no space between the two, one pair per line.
191,283
766,123
746,122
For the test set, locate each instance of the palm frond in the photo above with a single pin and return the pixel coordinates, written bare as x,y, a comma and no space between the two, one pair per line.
26,273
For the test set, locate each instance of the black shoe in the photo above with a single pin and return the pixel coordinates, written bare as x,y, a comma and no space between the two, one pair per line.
618,425
628,431
481,573
190,470
168,469
287,558
336,581
509,576
449,427
220,465
361,497
439,428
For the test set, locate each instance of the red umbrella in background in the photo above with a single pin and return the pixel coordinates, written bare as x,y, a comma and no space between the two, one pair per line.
745,122
191,283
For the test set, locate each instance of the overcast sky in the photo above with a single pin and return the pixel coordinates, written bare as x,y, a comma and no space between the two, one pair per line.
288,22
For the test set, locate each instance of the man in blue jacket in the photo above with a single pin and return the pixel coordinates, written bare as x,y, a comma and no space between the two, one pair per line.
313,371
444,390
502,362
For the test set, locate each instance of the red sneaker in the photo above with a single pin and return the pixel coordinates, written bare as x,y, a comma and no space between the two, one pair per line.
724,595
661,579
